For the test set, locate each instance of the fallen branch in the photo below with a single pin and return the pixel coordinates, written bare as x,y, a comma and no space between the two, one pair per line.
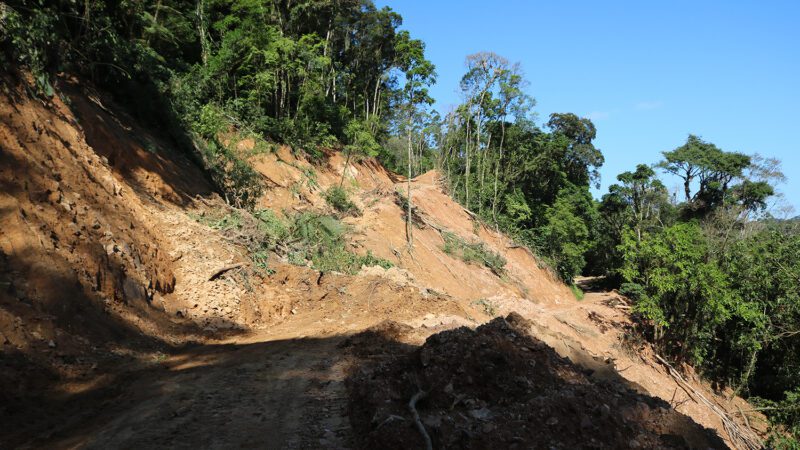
744,416
412,406
222,270
391,417
737,435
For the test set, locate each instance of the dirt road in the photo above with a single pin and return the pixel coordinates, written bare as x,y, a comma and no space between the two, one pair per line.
266,391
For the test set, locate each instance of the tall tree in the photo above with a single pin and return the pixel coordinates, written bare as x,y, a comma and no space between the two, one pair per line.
512,100
419,73
483,71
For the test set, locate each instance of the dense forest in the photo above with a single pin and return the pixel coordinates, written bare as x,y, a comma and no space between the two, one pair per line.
713,275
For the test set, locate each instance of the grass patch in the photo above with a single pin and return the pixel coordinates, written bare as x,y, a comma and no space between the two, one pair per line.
576,291
473,253
272,228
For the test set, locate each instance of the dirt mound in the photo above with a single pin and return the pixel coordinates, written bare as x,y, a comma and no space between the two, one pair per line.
497,386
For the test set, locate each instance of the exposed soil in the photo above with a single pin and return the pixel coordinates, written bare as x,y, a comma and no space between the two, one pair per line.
112,333
498,386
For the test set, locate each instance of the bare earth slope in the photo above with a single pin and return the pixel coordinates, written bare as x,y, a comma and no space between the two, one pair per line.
112,333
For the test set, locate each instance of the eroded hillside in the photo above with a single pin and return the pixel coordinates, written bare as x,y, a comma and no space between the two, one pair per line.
128,320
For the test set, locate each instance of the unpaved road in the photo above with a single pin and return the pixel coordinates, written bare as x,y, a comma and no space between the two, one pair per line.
261,392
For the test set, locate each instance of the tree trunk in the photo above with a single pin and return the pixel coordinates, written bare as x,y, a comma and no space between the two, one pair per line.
409,231
155,21
686,190
346,165
497,173
375,97
484,163
466,170
478,143
201,30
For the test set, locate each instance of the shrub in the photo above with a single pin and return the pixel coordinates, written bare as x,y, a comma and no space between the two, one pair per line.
239,182
274,229
338,199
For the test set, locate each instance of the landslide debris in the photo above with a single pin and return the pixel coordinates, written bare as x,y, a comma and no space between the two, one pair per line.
497,386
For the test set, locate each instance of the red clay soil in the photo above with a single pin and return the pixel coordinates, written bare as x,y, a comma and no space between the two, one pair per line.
497,386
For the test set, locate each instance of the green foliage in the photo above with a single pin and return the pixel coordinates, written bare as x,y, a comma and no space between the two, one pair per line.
473,252
764,270
211,122
25,36
310,74
261,231
273,229
685,296
528,182
238,181
337,198
714,170
360,139
784,417
640,202
370,260
581,158
304,238
576,291
517,209
710,285
565,236
321,240
733,311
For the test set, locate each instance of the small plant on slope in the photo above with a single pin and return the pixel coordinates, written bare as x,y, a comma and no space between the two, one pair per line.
473,253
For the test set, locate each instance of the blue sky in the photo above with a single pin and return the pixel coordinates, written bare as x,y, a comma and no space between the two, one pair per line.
646,73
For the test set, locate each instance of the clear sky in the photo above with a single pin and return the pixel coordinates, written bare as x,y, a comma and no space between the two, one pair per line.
646,73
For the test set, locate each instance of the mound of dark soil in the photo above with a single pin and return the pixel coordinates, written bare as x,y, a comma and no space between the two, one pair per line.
497,386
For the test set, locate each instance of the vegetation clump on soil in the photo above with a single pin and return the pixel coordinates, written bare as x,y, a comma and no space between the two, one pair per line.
473,252
337,198
304,239
576,291
321,240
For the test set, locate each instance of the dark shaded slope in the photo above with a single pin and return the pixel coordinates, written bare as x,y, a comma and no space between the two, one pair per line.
497,386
